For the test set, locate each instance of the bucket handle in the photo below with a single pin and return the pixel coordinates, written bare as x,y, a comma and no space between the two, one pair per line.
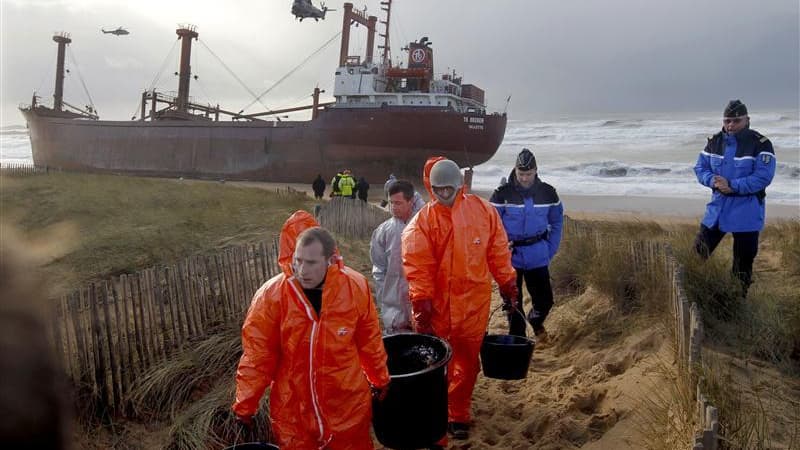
524,319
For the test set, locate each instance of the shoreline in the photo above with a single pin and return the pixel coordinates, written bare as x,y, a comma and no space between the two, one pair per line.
649,208
593,207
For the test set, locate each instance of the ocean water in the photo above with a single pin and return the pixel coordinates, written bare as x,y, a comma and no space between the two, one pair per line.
623,155
645,155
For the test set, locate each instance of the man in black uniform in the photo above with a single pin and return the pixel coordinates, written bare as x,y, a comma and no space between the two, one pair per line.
532,215
319,187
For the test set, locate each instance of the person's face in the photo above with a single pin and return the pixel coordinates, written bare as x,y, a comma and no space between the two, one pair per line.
310,265
525,178
446,195
734,125
401,208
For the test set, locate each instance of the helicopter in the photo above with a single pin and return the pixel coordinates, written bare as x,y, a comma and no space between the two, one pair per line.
118,32
304,9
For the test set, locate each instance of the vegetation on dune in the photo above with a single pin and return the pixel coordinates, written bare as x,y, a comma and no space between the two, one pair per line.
193,392
123,224
760,330
611,257
164,391
764,324
785,237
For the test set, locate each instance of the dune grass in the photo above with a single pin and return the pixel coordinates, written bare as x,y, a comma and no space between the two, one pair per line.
764,324
106,225
762,329
600,255
785,236
164,391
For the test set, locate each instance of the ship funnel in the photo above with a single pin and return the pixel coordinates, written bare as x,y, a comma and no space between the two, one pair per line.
58,97
186,34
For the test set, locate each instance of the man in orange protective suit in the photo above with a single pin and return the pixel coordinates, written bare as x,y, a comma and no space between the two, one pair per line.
451,249
312,335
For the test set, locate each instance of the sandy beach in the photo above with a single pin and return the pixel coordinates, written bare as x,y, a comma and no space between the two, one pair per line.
645,208
596,207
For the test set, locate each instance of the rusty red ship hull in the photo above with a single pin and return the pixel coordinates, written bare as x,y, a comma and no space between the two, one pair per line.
372,142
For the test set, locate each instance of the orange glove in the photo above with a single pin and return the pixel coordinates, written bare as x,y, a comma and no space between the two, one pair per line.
423,311
510,295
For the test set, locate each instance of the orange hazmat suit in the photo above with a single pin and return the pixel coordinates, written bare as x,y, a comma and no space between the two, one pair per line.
319,368
450,255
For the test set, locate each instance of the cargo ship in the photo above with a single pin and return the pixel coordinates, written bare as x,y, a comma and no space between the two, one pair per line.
385,119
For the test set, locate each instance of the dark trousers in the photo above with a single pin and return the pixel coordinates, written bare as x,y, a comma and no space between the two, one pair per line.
745,248
538,284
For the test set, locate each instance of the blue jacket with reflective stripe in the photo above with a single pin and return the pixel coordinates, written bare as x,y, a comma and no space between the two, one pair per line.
526,216
747,160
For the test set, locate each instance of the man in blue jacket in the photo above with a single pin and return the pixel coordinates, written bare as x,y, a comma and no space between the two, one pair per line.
737,164
532,215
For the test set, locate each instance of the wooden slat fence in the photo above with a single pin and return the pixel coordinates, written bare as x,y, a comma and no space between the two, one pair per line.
689,340
109,332
351,218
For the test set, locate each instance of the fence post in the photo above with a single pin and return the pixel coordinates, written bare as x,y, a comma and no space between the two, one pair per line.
100,362
112,358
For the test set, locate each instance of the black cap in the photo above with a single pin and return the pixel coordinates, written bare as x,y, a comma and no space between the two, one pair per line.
735,108
525,160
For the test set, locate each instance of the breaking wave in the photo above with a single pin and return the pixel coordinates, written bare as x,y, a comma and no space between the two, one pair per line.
787,170
617,169
14,130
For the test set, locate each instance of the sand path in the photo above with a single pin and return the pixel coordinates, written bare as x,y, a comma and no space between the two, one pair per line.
582,389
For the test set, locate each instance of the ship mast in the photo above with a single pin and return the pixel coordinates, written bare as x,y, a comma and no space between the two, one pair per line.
386,6
58,97
351,16
186,33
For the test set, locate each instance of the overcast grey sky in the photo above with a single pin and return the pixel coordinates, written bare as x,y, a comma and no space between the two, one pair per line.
554,57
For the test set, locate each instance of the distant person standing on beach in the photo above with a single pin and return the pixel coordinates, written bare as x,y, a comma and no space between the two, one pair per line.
319,187
452,248
391,286
336,191
532,215
347,185
738,164
362,189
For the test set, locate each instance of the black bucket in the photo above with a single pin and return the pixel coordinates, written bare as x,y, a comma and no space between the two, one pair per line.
414,412
506,357
253,446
